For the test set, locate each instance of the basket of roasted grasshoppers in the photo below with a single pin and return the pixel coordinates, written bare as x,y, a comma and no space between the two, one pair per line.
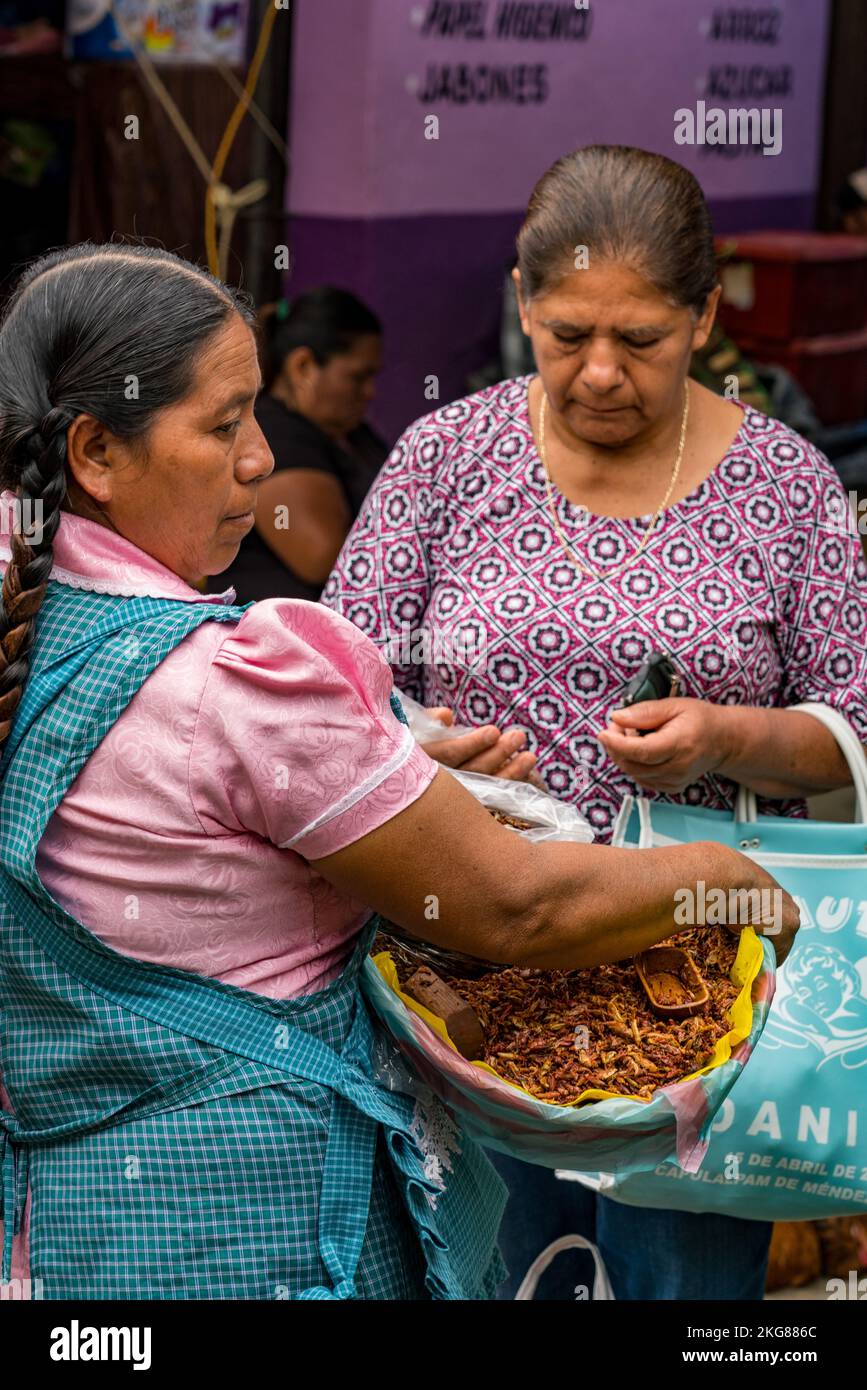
613,1068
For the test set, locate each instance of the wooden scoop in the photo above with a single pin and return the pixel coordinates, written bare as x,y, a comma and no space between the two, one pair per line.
459,1017
672,982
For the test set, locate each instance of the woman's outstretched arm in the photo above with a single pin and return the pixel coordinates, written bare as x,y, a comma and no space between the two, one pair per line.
445,870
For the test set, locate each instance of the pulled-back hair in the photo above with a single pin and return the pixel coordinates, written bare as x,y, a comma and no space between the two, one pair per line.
326,320
625,205
110,331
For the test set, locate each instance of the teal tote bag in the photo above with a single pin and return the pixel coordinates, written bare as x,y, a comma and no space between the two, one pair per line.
790,1140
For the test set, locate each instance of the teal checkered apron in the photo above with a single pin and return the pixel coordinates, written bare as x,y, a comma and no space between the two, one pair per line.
180,1137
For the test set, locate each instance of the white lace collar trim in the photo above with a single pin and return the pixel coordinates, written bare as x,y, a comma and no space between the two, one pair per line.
129,582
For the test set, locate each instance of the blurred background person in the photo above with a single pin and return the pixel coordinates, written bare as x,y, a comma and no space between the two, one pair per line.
321,355
851,204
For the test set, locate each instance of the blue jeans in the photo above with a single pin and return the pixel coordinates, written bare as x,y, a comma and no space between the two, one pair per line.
649,1254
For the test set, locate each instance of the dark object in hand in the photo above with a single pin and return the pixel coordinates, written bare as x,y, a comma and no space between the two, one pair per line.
656,680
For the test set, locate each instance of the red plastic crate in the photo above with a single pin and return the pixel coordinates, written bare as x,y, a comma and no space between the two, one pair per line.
793,285
832,370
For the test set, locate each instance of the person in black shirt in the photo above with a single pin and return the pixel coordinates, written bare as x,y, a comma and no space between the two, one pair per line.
322,355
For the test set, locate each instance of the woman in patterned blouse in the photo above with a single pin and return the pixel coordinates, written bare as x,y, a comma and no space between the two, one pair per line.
546,535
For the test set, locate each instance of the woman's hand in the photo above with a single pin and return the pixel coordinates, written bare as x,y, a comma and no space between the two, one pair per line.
683,739
772,911
484,750
776,752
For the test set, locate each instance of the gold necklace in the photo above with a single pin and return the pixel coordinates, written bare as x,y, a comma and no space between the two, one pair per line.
566,544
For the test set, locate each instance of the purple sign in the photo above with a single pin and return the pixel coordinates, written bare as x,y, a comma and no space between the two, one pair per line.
402,107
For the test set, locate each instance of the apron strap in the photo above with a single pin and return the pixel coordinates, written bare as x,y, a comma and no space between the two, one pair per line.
13,1194
347,1179
344,1199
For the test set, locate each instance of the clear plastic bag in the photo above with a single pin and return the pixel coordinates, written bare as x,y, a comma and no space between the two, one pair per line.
422,725
549,818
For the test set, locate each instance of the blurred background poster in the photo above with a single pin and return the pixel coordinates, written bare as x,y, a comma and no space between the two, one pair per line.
511,83
389,147
398,201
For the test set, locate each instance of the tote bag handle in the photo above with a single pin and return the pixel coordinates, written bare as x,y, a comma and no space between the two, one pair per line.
602,1291
850,747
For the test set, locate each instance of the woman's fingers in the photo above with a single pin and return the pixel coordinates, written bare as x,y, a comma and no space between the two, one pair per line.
457,752
495,761
520,769
771,910
486,750
784,923
649,775
648,714
649,751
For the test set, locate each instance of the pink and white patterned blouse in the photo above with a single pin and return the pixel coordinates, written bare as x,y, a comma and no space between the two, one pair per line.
252,748
754,583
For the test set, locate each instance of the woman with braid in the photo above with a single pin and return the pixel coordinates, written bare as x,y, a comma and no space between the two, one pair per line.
201,807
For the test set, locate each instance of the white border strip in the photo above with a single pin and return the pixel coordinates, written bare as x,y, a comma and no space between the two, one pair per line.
396,761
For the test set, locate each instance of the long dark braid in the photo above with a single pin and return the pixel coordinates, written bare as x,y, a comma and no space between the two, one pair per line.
43,481
80,323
